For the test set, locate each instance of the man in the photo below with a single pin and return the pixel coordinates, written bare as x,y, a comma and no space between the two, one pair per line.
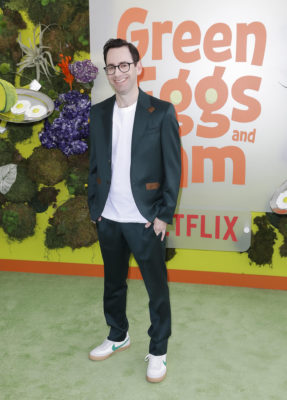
133,187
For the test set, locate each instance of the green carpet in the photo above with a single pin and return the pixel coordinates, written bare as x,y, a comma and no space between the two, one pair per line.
227,343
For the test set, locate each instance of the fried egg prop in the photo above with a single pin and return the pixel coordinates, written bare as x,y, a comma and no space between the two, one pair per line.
20,107
278,202
36,111
282,200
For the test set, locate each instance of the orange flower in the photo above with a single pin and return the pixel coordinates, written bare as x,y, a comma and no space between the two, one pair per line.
64,65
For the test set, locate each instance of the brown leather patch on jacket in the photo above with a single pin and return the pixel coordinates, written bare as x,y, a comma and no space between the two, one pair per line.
99,181
151,109
152,185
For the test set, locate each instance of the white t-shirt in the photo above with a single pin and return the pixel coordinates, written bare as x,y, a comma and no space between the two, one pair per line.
120,205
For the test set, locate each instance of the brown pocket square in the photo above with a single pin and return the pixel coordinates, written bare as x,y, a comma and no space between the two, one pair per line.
99,181
151,109
152,185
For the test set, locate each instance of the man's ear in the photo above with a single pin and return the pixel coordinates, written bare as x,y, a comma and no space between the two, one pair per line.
139,67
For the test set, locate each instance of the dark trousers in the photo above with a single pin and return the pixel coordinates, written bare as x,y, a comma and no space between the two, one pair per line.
117,241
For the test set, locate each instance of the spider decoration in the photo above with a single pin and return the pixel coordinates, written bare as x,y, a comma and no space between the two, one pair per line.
36,56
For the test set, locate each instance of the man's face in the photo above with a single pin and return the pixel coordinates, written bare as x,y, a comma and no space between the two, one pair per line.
123,82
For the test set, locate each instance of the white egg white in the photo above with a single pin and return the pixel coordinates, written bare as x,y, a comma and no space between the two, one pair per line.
21,107
36,111
281,200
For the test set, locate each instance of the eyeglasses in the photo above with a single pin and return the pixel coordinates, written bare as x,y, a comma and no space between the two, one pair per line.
123,67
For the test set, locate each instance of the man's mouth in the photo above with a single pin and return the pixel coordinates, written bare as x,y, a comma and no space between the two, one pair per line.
120,80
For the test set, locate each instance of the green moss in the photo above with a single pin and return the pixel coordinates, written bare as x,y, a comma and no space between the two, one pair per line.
47,166
262,242
77,181
19,132
80,30
280,222
283,248
10,220
71,223
17,4
10,22
44,198
283,225
8,74
18,221
23,189
5,68
80,161
2,199
8,153
53,240
169,254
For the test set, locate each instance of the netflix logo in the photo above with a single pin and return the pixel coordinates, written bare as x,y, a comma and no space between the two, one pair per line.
210,230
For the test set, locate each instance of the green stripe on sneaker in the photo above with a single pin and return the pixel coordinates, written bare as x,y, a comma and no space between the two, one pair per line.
114,348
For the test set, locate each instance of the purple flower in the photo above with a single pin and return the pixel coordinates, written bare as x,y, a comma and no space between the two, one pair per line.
70,130
84,71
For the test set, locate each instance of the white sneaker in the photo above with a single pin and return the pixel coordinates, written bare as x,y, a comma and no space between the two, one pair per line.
156,370
108,347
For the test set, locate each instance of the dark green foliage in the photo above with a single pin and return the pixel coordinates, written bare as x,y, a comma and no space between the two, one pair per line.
47,166
10,52
79,161
262,242
6,69
10,22
19,132
283,248
77,181
18,221
72,225
23,189
169,254
280,222
54,240
283,225
52,87
68,20
2,200
274,219
44,198
8,153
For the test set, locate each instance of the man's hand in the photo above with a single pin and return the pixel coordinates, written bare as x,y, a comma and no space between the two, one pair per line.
99,219
159,226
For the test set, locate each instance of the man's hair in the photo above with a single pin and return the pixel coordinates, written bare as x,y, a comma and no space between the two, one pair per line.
113,43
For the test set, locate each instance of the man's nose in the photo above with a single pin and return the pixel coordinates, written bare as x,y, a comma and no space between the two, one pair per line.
117,71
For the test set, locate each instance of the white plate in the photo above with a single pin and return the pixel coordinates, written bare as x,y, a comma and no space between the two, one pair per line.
35,98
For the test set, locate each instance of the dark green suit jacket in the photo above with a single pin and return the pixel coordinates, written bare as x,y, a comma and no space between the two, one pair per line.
155,157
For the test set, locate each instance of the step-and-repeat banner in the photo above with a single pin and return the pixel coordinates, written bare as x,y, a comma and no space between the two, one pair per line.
224,67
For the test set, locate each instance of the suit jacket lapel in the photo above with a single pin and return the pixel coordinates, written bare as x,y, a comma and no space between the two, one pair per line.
141,118
108,123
